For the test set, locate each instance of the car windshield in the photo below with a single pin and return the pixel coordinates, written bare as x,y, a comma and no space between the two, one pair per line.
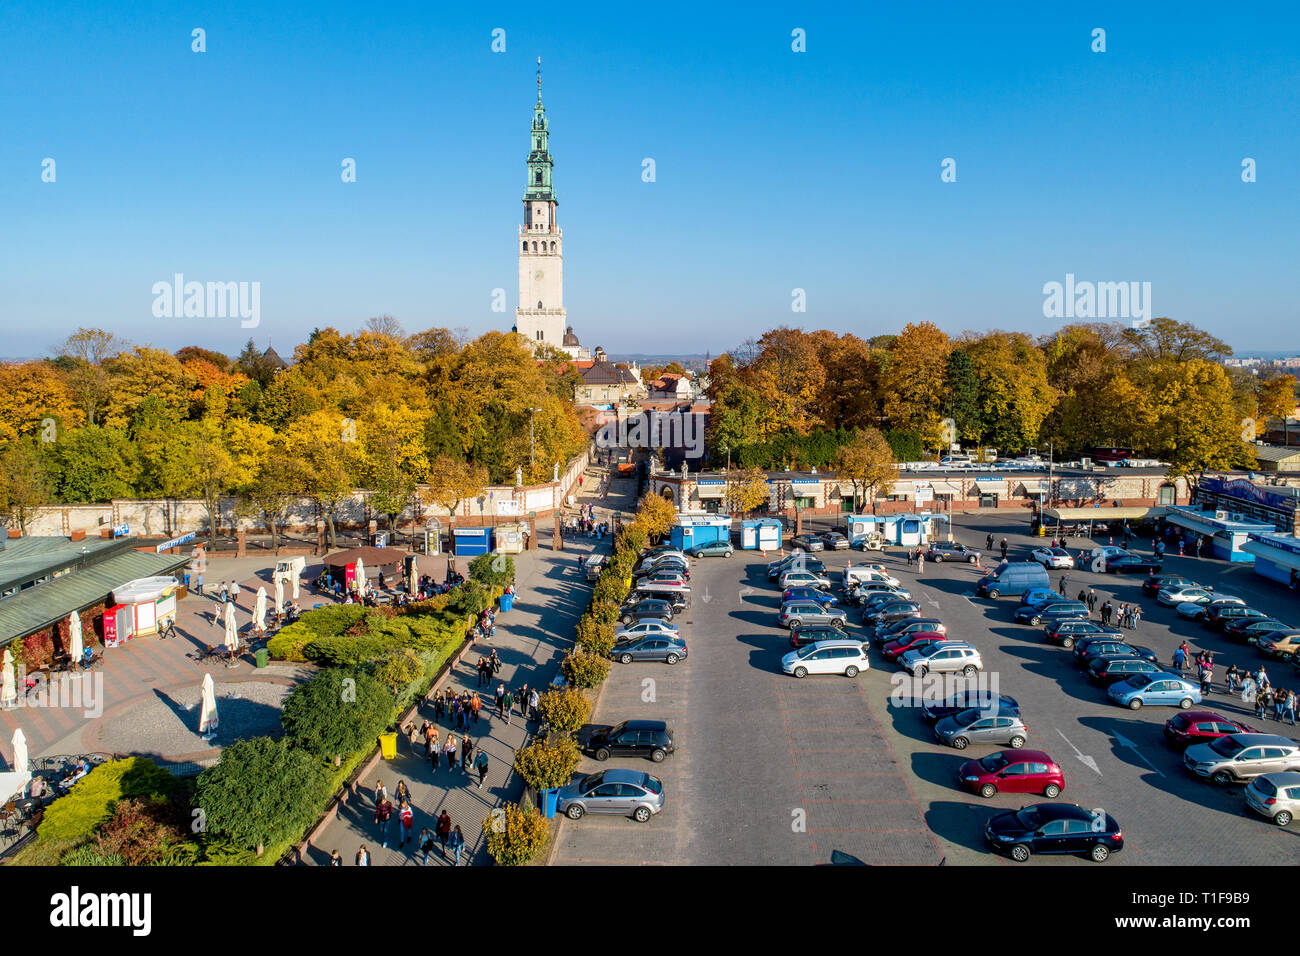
1226,746
1138,681
993,763
652,784
804,652
966,717
1029,818
592,782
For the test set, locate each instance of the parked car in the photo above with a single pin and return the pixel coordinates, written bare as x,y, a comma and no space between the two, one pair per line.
1013,577
799,613
869,573
889,632
1013,771
662,559
825,598
712,549
1172,596
1083,645
835,541
1236,758
946,658
1053,558
1201,726
1109,670
629,793
1155,582
649,609
859,593
809,542
1132,564
1244,628
1196,610
1054,828
652,739
915,640
940,551
678,596
805,579
889,613
1283,644
667,576
1041,596
654,647
1275,796
1155,690
812,633
796,561
1062,610
645,628
827,657
975,726
1217,617
1068,631
933,711
1117,648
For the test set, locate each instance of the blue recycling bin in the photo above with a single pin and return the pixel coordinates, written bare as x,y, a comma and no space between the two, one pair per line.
507,602
550,803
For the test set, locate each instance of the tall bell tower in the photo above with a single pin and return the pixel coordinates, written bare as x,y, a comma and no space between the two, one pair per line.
540,316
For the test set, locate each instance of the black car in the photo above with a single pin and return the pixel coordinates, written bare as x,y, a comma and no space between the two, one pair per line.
635,611
935,711
1110,670
1116,649
1155,582
1244,628
1054,828
632,738
891,632
941,551
1068,633
1132,564
1219,616
891,612
809,563
809,633
809,542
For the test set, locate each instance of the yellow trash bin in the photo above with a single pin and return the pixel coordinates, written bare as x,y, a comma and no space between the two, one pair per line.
388,746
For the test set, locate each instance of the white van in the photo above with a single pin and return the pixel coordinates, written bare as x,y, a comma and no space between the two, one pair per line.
864,573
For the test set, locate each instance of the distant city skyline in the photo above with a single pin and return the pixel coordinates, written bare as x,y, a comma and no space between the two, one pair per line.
779,177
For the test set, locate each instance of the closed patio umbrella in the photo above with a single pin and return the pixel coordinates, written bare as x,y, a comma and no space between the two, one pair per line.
208,720
361,576
293,583
259,610
20,751
75,648
8,690
278,584
232,632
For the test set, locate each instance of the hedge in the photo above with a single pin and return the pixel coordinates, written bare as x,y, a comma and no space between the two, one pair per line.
91,802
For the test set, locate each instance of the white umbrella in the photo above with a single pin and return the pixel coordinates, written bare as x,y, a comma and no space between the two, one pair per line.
360,579
232,632
74,637
208,720
259,609
293,581
20,751
8,690
279,594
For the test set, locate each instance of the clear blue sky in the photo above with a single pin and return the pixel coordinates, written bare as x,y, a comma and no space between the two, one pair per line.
775,169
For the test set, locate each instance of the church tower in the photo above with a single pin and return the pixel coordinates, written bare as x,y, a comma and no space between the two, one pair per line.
540,316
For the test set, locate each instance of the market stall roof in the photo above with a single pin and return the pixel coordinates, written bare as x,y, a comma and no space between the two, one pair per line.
1103,513
371,557
38,607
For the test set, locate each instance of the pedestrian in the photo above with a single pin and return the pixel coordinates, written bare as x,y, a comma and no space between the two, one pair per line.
381,579
1065,579
234,592
1187,653
522,698
225,592
496,662
402,794
383,817
1004,549
482,671
457,714
1232,677
466,753
508,702
1207,677
1279,705
439,705
910,555
1249,689
920,561
1261,677
457,843
407,817
426,844
1290,707
363,856
475,705
380,792
534,699
481,762
1261,702
444,830
430,739
1179,658
449,750
501,696
1137,616
335,859
1092,599
988,542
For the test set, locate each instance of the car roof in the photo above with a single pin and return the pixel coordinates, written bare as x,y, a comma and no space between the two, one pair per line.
624,776
1283,778
1255,740
1027,756
1204,715
837,642
645,725
1062,811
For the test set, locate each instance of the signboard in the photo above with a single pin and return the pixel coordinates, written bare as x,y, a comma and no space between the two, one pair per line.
923,495
507,506
121,530
175,542
381,539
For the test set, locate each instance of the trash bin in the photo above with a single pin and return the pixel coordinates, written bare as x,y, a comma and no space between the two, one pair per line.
261,657
550,802
507,602
388,746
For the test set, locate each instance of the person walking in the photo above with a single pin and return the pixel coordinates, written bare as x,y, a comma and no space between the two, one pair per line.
1137,616
457,843
1179,659
501,696
1004,549
234,592
426,844
495,661
534,700
1187,653
910,555
1207,679
466,754
335,859
1249,689
402,794
920,561
1262,700
430,739
1279,704
363,856
1065,579
1232,677
450,751
1289,713
508,703
224,594
407,817
444,830
1092,600
457,714
383,817
380,792
481,763
988,542
475,705
522,699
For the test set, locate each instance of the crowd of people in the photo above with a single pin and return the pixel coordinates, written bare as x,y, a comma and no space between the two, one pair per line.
584,524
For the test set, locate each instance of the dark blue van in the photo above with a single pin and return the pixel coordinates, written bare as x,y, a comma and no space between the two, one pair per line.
1013,577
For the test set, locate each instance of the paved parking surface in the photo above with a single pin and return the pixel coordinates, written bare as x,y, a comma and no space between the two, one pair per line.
775,770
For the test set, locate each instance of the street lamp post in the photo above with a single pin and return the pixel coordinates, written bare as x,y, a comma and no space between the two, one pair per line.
532,441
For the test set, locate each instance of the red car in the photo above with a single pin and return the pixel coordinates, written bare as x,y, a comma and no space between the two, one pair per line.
1012,771
916,639
1201,726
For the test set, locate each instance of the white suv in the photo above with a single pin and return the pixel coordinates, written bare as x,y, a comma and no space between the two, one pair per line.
950,657
827,657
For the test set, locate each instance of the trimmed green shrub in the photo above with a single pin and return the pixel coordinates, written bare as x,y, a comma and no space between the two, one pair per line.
90,855
584,670
347,651
291,641
492,570
397,669
565,710
336,712
515,837
594,636
548,763
88,805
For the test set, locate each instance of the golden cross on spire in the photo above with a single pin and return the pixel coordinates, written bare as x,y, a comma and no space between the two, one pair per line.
539,79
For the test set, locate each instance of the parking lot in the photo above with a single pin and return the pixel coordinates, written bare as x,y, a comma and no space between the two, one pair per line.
775,770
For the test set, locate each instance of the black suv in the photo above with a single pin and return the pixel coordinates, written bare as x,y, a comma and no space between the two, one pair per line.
635,611
810,633
632,738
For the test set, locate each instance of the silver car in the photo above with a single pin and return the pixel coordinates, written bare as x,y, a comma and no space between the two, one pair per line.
946,658
979,726
1275,795
629,793
1236,758
799,613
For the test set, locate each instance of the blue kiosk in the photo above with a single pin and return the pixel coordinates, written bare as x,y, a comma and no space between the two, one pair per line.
471,542
1225,532
760,534
904,530
691,530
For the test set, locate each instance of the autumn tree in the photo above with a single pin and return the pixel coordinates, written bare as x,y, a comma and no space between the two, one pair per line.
868,463
1276,398
83,354
747,490
453,481
24,487
1013,396
914,381
656,515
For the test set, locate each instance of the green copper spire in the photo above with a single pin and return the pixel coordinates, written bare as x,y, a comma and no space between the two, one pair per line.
539,159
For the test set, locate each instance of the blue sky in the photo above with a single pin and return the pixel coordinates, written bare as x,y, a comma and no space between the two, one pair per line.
775,170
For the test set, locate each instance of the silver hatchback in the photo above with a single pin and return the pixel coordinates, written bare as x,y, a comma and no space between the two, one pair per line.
629,793
1275,795
978,726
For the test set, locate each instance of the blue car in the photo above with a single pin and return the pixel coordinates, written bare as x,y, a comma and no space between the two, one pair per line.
1037,597
1155,690
808,594
1062,610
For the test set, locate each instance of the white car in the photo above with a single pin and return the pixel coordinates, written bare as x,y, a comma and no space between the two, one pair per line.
1053,557
845,657
1171,597
949,657
645,628
864,573
664,557
806,579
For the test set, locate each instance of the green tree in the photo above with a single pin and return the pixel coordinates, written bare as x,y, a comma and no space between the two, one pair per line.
868,463
24,486
336,713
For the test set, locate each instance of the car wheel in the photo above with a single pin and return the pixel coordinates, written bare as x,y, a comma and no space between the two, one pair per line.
1035,620
1020,853
988,790
626,659
627,621
1135,704
795,622
1052,791
1067,642
1100,853
850,671
1185,703
575,811
601,754
969,670
801,672
959,743
1017,742
657,755
937,559
922,671
671,659
1282,817
641,814
1222,778
993,594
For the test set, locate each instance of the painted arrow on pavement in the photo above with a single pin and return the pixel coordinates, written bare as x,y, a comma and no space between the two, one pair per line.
1125,742
1083,758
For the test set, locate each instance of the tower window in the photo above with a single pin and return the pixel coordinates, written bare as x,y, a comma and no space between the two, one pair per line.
539,304
552,247
525,248
539,331
538,177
